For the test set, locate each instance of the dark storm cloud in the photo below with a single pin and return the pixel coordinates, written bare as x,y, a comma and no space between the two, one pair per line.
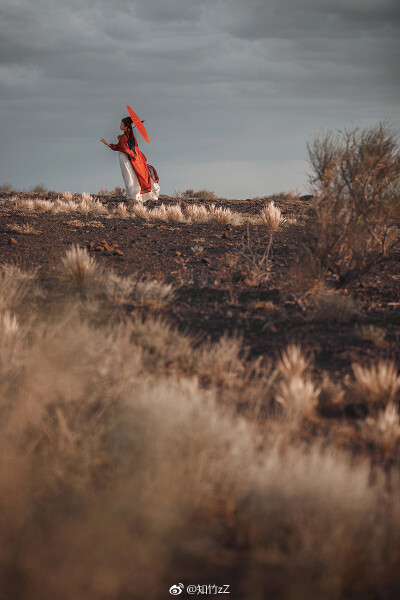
205,73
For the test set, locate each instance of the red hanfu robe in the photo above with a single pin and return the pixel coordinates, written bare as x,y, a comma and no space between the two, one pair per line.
138,161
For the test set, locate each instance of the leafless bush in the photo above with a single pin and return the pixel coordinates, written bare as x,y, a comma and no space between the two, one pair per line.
328,305
356,184
6,187
40,188
251,260
199,195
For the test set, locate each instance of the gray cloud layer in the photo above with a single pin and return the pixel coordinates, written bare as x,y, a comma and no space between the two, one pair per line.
221,83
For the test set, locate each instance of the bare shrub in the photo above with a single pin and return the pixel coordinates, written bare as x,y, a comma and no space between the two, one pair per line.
330,306
40,188
199,195
376,385
251,260
356,180
7,188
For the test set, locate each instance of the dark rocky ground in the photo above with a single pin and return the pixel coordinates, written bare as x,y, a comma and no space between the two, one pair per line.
214,296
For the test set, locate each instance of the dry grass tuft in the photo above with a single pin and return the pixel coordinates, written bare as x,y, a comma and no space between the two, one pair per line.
293,362
371,333
271,216
220,362
376,385
174,213
388,427
158,213
139,210
25,228
88,206
16,286
152,293
77,268
197,213
296,391
67,196
122,210
299,397
224,216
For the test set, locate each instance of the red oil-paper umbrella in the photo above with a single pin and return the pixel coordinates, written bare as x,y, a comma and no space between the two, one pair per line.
138,124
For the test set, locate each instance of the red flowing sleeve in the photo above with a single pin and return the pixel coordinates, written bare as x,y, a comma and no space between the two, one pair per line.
122,146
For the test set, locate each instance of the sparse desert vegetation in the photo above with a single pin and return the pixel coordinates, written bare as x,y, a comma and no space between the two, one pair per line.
202,389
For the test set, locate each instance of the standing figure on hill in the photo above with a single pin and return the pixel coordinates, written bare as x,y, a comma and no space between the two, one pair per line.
141,179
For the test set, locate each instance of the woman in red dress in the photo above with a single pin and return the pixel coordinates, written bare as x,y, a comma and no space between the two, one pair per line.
141,179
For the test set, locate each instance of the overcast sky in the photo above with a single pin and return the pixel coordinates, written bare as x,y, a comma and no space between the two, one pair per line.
231,90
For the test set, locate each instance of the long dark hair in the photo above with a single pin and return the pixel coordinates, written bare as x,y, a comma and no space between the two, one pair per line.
127,121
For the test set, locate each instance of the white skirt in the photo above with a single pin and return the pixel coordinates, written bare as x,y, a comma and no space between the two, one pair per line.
132,184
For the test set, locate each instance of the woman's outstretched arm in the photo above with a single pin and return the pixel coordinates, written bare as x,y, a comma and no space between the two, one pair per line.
122,146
